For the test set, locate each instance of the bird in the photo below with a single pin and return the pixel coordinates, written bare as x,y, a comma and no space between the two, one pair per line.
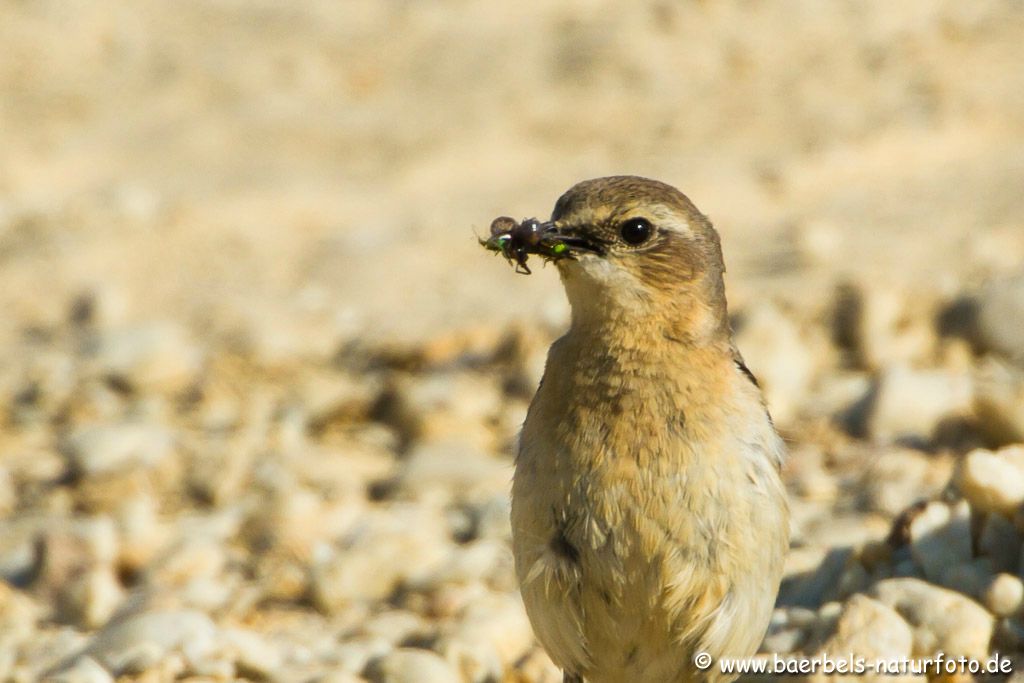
649,518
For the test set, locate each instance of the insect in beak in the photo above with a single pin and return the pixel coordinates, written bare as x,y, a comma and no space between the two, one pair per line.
516,241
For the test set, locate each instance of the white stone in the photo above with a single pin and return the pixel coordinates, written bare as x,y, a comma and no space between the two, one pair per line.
106,448
82,670
155,357
255,657
1001,543
90,598
993,482
1001,317
868,629
941,619
1004,595
940,537
137,642
408,665
779,355
405,542
909,404
999,401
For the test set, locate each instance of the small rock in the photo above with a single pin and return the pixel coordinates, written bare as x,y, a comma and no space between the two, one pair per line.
395,626
338,399
970,578
941,619
19,614
999,402
537,667
868,629
1000,319
68,549
1004,596
139,642
82,670
940,537
993,482
408,665
89,599
1000,542
150,358
192,557
442,406
777,352
475,658
102,307
8,494
877,324
340,677
493,518
898,478
909,404
106,448
808,586
141,533
354,653
499,619
783,641
475,561
452,469
256,658
383,549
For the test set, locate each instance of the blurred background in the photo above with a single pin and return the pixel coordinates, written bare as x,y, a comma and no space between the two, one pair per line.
260,384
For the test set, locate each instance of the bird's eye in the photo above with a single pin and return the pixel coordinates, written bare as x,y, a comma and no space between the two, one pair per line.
636,231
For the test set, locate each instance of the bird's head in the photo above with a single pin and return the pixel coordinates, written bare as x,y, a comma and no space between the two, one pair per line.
640,254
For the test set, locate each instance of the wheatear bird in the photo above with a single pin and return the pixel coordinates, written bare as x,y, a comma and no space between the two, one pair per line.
649,520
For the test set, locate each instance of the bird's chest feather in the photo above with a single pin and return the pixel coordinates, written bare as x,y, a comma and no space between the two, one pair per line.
625,484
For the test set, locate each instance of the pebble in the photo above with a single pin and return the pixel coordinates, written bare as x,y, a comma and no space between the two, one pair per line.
898,478
99,449
474,657
941,619
1000,542
776,351
19,613
89,599
68,548
1000,319
384,548
499,619
255,657
940,538
869,629
1004,596
993,481
408,665
970,578
8,493
82,670
141,641
157,357
477,561
908,404
340,677
452,469
875,324
999,402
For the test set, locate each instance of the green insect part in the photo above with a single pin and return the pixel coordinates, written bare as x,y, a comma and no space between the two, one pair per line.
559,248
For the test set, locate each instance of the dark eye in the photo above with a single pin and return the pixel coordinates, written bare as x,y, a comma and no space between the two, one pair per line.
636,231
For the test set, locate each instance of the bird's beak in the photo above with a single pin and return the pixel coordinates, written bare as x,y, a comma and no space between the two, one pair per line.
575,242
